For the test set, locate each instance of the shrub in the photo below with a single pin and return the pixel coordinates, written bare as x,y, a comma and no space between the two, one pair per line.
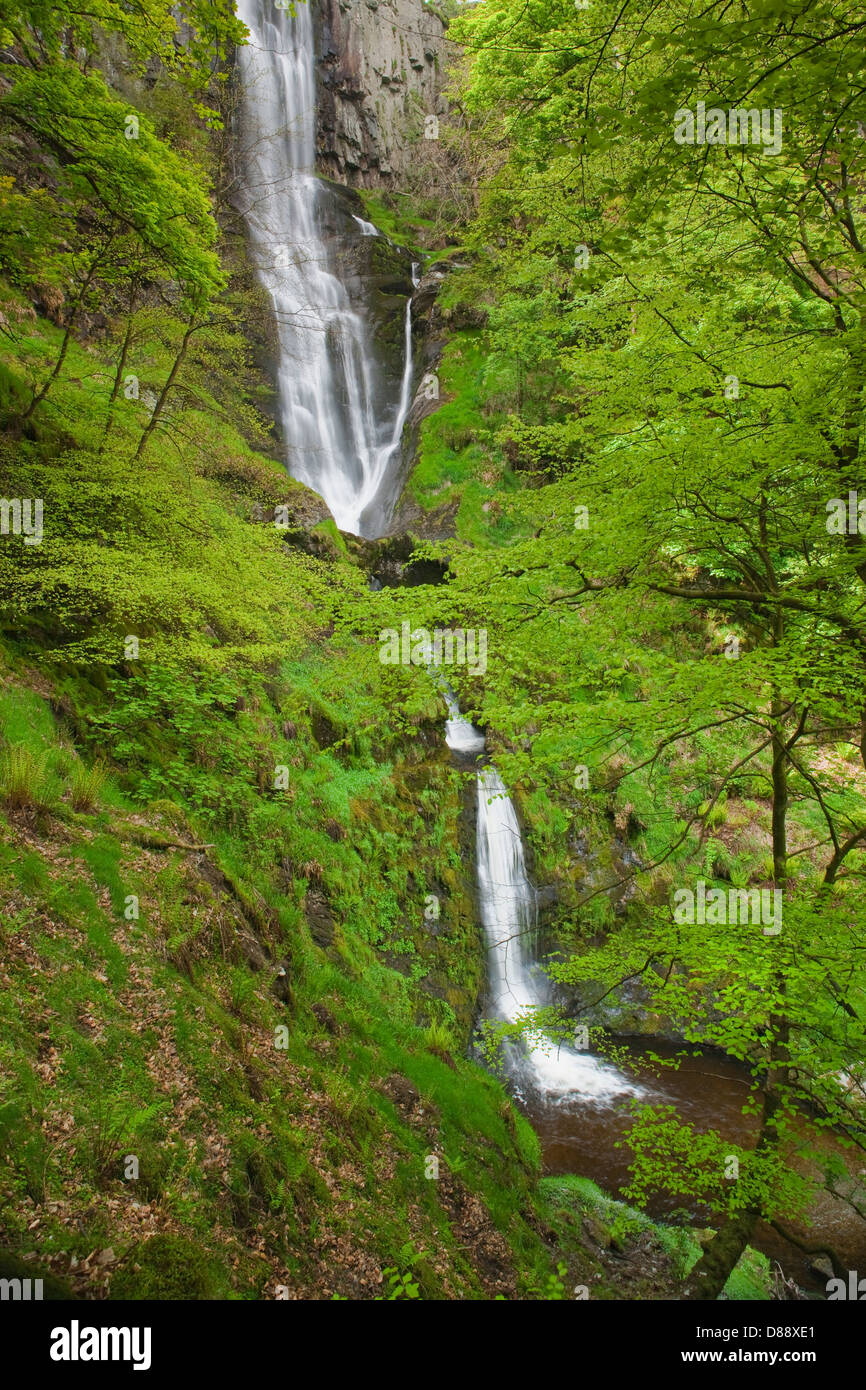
438,1039
25,780
85,785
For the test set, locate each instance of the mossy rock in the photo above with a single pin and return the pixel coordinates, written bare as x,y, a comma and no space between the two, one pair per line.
168,1268
750,1281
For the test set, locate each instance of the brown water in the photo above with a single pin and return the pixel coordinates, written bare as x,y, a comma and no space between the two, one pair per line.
709,1092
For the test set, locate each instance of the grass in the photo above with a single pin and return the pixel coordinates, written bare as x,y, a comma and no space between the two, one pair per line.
212,1027
457,456
251,1153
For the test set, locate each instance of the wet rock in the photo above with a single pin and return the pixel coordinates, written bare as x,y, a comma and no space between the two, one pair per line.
389,561
282,985
316,543
435,524
626,1012
319,918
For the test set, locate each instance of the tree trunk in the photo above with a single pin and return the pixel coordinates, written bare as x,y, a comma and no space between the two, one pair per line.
67,336
118,377
779,773
172,376
780,797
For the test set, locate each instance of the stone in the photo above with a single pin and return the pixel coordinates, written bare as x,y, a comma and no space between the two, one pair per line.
596,1232
367,81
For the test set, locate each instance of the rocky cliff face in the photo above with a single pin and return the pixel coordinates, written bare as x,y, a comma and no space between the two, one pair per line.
380,67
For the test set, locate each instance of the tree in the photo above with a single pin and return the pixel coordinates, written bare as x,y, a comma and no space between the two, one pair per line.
709,344
132,195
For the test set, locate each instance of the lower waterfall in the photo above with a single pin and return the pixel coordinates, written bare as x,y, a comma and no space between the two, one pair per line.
517,985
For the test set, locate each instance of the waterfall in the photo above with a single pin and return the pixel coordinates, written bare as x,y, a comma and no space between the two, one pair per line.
343,435
344,438
391,479
517,985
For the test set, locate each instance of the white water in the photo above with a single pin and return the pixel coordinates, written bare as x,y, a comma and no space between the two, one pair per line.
460,735
518,987
343,434
405,400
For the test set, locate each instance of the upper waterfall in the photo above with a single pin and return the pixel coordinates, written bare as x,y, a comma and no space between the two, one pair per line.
342,420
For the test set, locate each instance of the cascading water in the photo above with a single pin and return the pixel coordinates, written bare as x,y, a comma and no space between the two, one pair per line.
343,434
517,987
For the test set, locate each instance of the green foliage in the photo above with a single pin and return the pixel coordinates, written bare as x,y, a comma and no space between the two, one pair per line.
43,30
85,786
674,338
25,780
400,1285
140,186
553,1289
600,382
674,1158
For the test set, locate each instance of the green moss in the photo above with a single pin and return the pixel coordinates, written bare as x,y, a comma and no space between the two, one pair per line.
458,457
168,1267
751,1280
622,1225
398,217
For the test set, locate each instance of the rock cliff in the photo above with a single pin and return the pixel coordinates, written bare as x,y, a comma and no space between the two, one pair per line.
380,66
